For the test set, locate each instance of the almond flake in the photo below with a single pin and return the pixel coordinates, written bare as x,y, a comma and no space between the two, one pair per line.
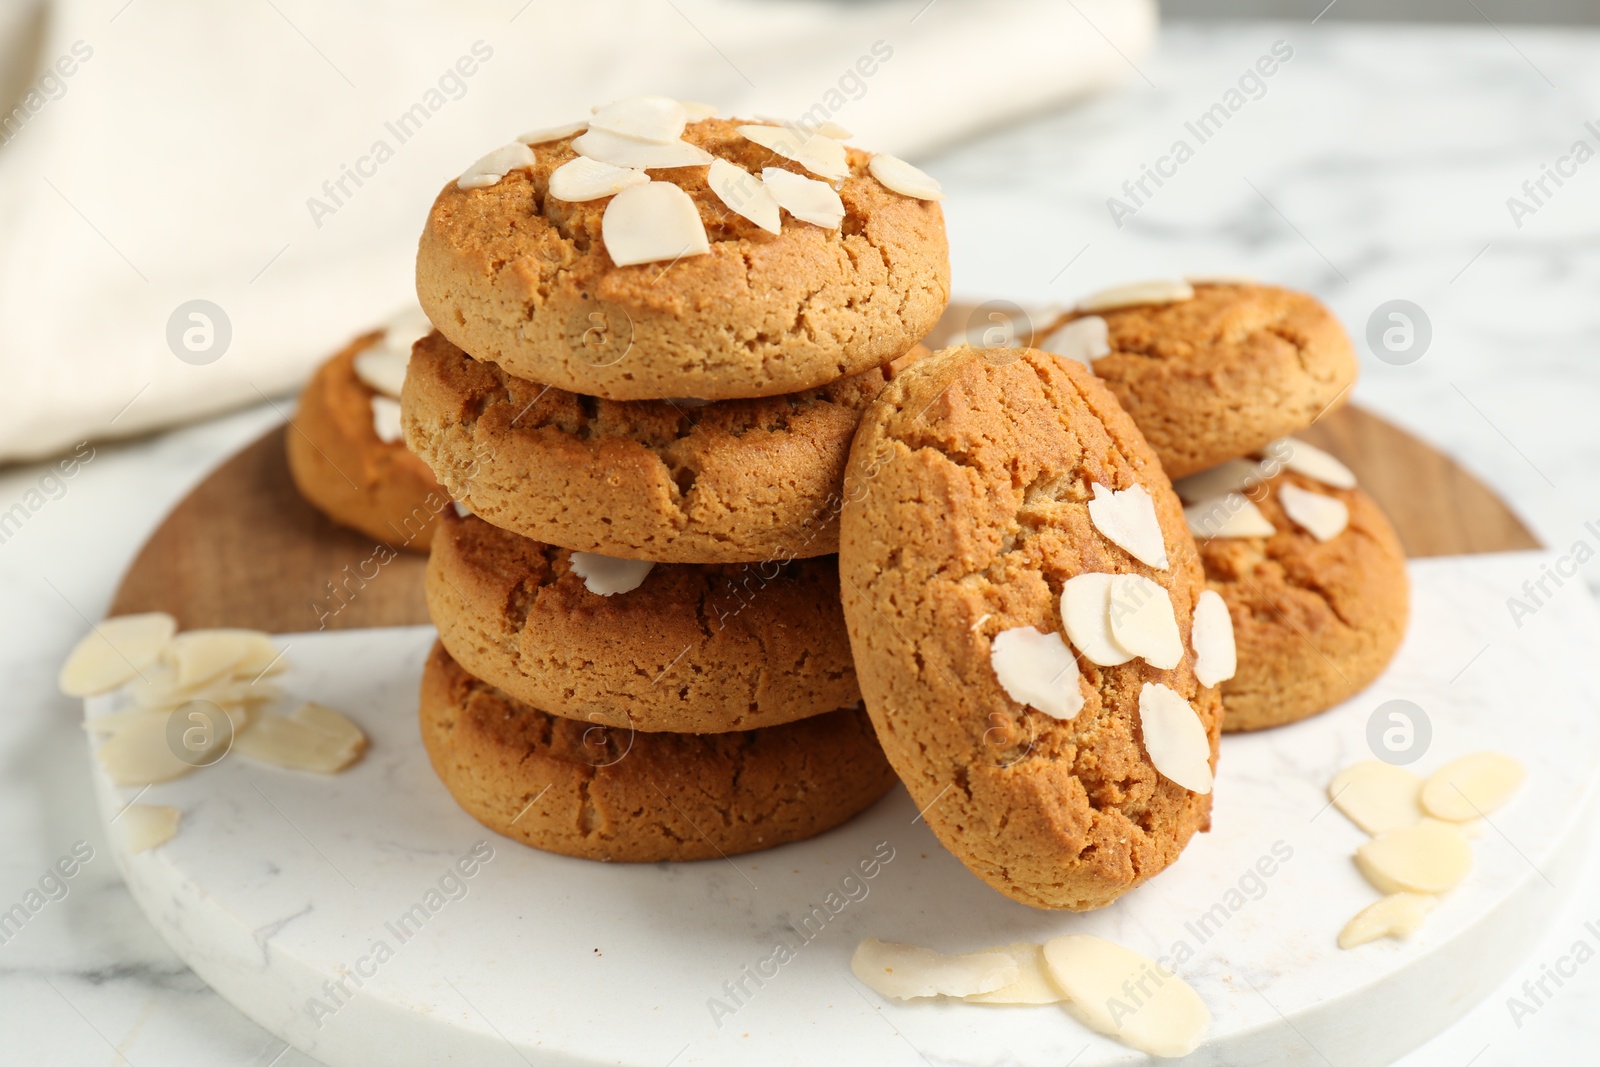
1084,340
383,370
805,198
1086,615
201,656
1166,1018
744,194
1143,621
1174,737
1377,796
138,753
1230,476
1323,517
386,420
652,222
1472,786
1033,985
658,119
1127,518
115,722
496,165
1135,294
1229,515
224,693
622,151
311,738
147,826
608,575
1397,915
114,653
1220,279
906,971
462,511
695,111
553,133
1211,636
1037,669
1472,829
821,155
582,179
898,176
829,128
1312,462
1425,858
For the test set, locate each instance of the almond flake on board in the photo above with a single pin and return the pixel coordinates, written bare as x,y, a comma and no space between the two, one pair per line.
1084,340
1323,517
905,972
310,738
1397,915
1169,1019
898,176
1143,621
114,652
1135,294
1229,476
1377,796
386,420
623,151
744,194
1086,614
1174,737
1312,462
658,119
805,198
553,133
1216,658
201,656
650,223
1228,515
822,156
1033,985
489,169
1127,518
139,754
609,575
1037,669
1425,858
1472,786
147,826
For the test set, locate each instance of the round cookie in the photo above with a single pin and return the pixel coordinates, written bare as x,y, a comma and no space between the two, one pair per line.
519,278
693,649
1314,621
1224,373
605,794
967,510
728,482
345,470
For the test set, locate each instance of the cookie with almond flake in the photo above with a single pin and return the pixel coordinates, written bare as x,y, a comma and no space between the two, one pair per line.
980,484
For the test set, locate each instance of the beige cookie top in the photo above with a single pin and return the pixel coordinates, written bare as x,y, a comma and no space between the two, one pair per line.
968,511
1223,372
514,275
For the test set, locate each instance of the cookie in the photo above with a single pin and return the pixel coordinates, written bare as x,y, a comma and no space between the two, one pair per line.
345,470
515,276
566,786
1220,375
967,511
1314,621
694,649
728,482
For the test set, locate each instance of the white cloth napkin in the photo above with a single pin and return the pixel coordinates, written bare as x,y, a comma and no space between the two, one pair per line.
166,151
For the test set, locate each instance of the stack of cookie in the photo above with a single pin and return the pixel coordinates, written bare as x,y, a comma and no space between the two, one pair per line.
656,333
1219,375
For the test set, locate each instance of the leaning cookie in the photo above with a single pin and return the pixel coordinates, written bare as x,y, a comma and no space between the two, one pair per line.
344,445
566,786
677,481
656,647
1211,371
998,503
701,264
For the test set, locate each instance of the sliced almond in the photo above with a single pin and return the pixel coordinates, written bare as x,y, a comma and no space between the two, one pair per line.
1220,279
1323,517
821,155
1037,669
1086,614
114,653
1127,518
146,826
1471,830
898,176
1033,985
649,118
311,738
1174,737
582,179
622,151
386,420
1377,796
1397,915
650,223
139,754
829,128
608,575
1084,340
1229,515
1229,476
128,719
491,168
1472,786
1135,294
744,194
200,656
263,660
1425,858
1143,622
553,133
695,111
1124,995
805,198
1312,462
905,972
1211,636
383,370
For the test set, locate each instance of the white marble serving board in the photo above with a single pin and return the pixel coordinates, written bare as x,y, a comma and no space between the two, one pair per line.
280,882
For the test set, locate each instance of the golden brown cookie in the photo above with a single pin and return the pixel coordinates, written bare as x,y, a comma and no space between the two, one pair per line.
607,794
695,648
967,510
522,279
727,482
1224,373
341,466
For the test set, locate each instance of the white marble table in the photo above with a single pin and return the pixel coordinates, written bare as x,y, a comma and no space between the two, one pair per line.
1376,166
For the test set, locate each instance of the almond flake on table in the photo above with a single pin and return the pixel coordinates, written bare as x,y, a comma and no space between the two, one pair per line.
1037,669
805,198
114,652
201,656
313,737
1033,985
1135,294
658,119
609,575
744,194
821,155
1144,622
1086,614
146,826
1323,517
621,151
1127,518
386,420
1472,786
1174,737
906,972
1312,462
898,176
695,111
1397,915
1169,1019
582,179
1229,476
553,133
1084,340
1229,515
1377,796
1215,656
1425,858
650,223
491,168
